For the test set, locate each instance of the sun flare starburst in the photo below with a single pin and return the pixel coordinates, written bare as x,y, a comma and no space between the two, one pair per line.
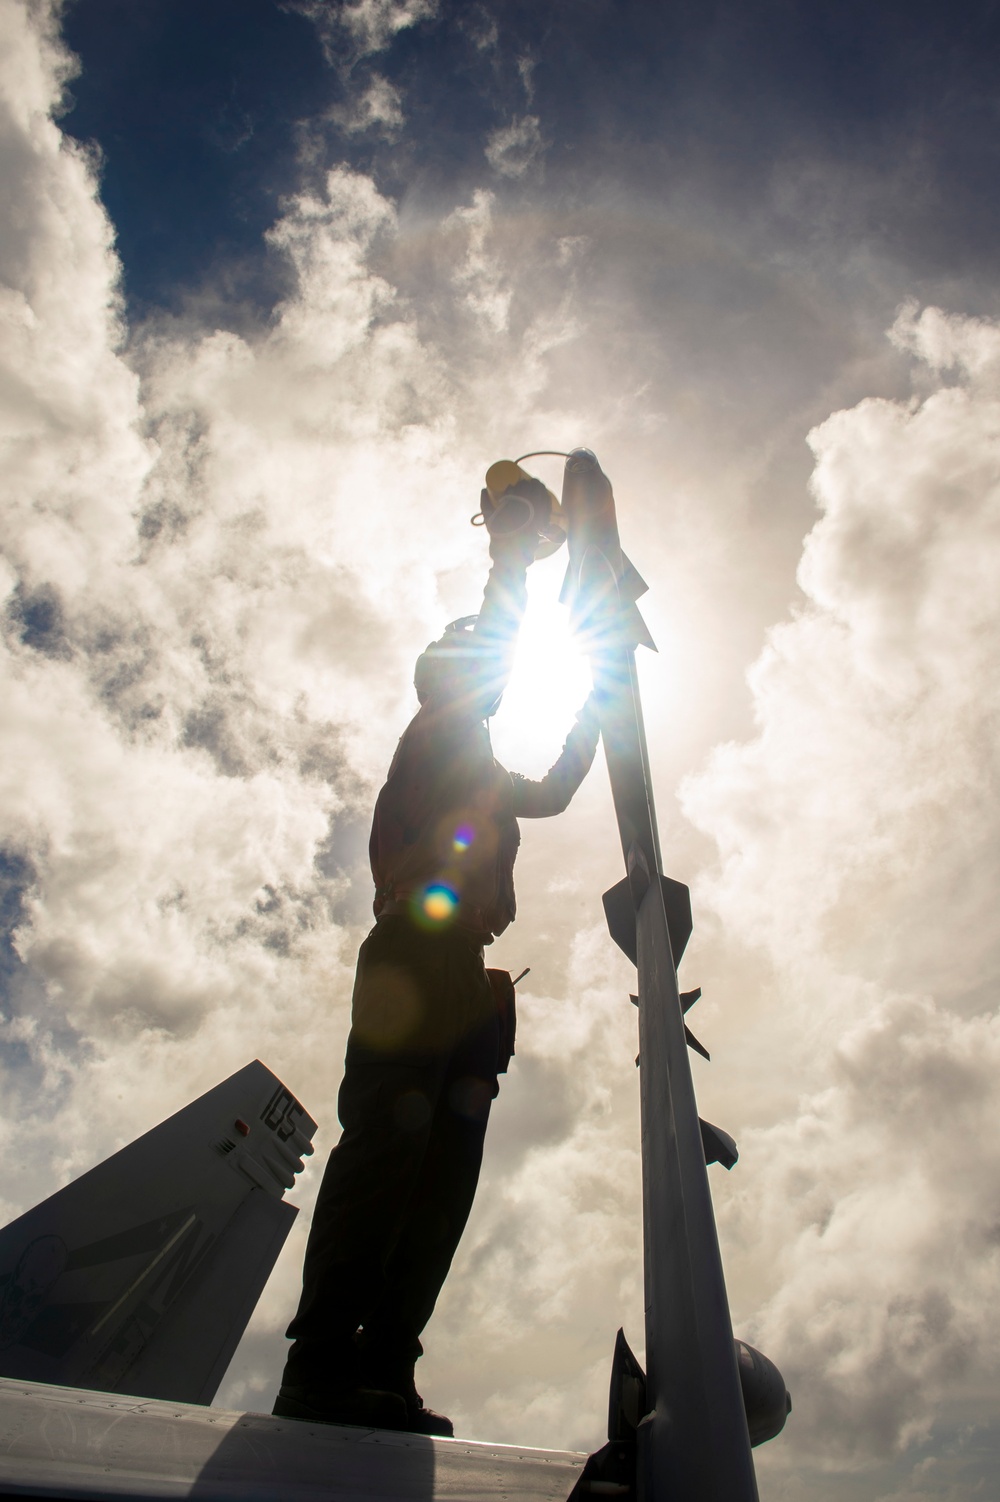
549,682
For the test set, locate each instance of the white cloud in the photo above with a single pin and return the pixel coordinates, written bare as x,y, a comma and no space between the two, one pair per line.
512,149
481,276
379,107
480,25
375,22
858,836
220,555
526,65
366,26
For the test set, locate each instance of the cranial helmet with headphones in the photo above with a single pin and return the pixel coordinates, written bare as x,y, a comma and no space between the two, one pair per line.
458,667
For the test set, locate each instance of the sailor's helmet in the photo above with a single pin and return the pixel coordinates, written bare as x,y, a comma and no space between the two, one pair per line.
457,667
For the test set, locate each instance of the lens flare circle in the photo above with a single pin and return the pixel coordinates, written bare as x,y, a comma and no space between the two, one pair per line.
437,905
463,837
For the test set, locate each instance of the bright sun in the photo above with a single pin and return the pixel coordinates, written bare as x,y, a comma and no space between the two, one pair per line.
550,681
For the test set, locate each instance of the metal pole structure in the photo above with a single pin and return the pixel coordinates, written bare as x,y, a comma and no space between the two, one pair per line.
693,1443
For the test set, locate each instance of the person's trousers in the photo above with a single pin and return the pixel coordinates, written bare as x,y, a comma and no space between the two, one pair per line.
420,1076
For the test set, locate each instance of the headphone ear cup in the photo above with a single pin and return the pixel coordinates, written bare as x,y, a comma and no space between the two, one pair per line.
524,506
514,502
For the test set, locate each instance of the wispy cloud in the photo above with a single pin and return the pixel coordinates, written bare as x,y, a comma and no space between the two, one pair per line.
512,149
362,27
379,107
480,276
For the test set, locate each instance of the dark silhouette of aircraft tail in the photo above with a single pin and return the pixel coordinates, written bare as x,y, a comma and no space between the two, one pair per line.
140,1276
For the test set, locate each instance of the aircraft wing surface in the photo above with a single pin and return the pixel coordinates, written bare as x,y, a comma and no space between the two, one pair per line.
61,1442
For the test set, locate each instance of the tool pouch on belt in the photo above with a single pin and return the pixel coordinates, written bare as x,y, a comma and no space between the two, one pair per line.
503,996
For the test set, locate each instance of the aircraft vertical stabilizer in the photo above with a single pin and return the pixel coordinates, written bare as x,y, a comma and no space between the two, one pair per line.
141,1275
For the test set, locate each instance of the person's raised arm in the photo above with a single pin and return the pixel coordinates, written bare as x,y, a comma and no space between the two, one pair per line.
552,794
504,600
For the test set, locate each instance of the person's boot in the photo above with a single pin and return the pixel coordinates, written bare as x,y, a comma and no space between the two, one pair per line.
342,1403
421,1420
397,1376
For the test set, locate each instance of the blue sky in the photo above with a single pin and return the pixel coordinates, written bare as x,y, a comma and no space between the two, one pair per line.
199,112
279,282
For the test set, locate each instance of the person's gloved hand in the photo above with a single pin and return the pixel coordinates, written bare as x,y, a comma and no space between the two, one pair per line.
516,523
516,549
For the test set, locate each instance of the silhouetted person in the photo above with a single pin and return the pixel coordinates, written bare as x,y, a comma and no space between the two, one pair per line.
427,1035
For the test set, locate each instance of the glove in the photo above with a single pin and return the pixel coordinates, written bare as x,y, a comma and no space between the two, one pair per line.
515,523
514,549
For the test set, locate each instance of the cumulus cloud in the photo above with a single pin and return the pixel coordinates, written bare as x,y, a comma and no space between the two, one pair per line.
170,549
857,836
219,552
218,555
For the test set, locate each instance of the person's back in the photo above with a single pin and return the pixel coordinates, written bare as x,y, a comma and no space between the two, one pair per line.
444,831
